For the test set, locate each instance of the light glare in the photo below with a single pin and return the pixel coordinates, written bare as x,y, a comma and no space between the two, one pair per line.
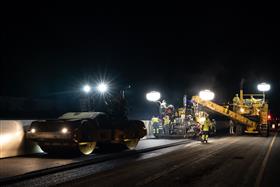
33,130
102,87
153,96
201,120
87,88
64,130
206,95
263,87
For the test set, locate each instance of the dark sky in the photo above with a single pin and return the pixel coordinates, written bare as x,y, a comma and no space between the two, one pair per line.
56,50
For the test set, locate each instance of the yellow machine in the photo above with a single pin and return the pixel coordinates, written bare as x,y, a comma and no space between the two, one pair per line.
199,116
181,123
251,113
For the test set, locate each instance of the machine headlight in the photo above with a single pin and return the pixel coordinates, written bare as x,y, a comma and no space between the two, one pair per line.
273,126
32,130
64,130
242,110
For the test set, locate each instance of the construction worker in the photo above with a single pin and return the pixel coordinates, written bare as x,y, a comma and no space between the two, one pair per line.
166,123
155,124
231,127
236,102
162,108
213,127
170,112
205,130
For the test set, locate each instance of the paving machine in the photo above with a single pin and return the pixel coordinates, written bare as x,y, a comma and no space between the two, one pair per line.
180,123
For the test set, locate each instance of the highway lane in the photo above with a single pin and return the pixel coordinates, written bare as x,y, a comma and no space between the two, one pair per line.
230,161
76,173
272,169
31,163
227,161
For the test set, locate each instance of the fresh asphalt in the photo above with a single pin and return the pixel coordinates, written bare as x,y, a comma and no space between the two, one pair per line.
225,161
229,161
34,163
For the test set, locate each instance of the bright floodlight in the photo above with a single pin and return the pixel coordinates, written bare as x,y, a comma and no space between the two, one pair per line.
206,95
102,87
263,87
153,96
87,88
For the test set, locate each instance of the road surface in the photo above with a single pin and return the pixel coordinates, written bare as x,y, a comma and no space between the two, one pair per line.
20,165
231,161
227,161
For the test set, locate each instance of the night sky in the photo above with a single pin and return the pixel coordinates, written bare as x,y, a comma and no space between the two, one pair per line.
53,51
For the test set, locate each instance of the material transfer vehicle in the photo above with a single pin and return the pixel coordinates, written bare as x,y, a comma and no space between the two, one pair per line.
250,115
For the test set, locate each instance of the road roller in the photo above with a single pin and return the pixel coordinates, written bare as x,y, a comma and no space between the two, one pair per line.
82,132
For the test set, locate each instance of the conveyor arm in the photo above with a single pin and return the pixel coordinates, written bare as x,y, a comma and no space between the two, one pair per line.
224,111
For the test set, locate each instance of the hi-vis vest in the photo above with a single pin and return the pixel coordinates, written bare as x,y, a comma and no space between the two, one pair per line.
155,120
166,120
206,125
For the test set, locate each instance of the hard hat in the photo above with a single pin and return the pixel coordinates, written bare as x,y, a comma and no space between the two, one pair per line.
190,117
170,106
